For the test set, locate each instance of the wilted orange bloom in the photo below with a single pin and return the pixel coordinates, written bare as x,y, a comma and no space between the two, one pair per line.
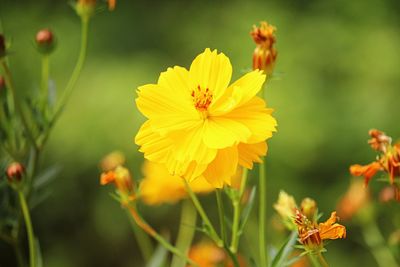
311,234
160,187
388,160
265,54
390,193
368,171
356,197
122,180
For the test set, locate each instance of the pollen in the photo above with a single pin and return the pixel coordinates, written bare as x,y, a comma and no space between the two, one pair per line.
202,98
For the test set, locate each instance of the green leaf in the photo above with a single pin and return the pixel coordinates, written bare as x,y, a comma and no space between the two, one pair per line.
46,177
279,259
159,257
247,210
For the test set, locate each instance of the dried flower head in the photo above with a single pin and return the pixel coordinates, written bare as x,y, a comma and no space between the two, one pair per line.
379,140
265,54
312,235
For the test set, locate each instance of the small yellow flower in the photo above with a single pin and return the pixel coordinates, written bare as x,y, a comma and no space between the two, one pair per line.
160,187
265,54
286,207
198,125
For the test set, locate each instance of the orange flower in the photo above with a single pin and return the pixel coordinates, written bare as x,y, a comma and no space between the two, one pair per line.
368,171
356,197
388,160
311,234
265,54
206,254
122,180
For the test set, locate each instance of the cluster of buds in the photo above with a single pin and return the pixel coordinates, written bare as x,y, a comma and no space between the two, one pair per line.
388,160
87,8
312,234
265,54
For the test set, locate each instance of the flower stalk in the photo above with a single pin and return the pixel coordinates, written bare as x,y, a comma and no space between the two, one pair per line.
262,214
187,228
29,228
221,214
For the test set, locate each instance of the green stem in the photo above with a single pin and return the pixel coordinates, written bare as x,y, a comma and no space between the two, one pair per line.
221,214
243,182
44,83
142,239
322,260
213,234
314,260
187,228
233,257
77,70
235,226
374,239
17,104
149,230
262,214
29,229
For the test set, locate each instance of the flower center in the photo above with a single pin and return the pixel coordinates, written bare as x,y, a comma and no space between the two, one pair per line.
201,98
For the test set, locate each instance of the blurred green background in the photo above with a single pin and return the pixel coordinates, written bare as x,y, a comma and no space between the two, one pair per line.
338,75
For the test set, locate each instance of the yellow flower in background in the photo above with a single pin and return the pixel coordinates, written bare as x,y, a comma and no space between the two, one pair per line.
159,187
286,207
199,125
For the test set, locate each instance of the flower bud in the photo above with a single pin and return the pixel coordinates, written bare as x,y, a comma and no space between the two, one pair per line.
45,42
265,54
122,179
309,208
15,172
112,161
85,8
2,46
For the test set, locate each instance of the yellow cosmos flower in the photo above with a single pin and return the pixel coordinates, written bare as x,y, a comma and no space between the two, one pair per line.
199,125
160,187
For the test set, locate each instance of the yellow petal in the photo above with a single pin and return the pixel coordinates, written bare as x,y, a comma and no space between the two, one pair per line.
220,132
211,70
248,86
222,168
256,117
249,153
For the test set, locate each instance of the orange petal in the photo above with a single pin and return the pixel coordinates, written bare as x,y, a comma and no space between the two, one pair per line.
330,229
107,178
368,171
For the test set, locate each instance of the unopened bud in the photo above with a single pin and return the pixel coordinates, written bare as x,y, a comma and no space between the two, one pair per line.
45,42
85,8
15,172
2,46
309,208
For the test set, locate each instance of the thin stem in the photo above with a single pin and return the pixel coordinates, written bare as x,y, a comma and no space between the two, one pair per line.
77,70
150,231
29,229
142,239
17,104
322,260
221,213
243,182
235,226
374,239
187,228
262,214
44,86
233,257
314,260
213,234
